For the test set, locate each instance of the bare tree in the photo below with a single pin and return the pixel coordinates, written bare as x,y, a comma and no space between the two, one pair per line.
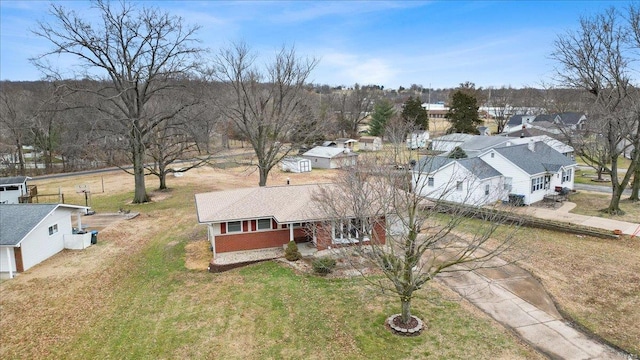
352,106
501,102
599,58
269,105
18,109
419,242
133,55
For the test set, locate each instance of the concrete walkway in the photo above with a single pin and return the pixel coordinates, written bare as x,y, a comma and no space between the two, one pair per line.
562,214
515,299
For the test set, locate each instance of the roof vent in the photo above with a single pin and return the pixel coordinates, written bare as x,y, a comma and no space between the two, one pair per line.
532,146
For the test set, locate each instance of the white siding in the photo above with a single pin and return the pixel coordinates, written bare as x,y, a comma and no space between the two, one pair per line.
445,183
39,245
4,262
521,181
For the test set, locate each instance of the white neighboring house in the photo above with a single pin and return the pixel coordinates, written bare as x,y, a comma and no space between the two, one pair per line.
296,164
417,140
532,170
12,188
323,157
31,233
527,171
468,181
370,143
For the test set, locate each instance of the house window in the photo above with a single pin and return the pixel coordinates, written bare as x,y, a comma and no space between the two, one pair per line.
349,231
459,186
264,224
508,183
537,183
234,226
566,175
486,189
430,182
53,229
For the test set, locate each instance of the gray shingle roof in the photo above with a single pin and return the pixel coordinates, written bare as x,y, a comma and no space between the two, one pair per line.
17,220
570,118
479,168
543,159
13,180
429,164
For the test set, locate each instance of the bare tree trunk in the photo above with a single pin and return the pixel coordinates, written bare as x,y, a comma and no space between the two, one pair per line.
20,157
635,187
140,194
406,310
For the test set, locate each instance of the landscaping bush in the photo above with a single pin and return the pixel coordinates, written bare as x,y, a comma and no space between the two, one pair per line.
323,265
292,253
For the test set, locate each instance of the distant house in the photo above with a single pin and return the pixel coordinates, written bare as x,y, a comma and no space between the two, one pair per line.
550,123
529,171
295,164
12,189
417,140
370,143
31,233
267,217
323,157
346,143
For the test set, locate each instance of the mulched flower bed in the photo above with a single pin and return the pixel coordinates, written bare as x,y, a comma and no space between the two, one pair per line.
413,328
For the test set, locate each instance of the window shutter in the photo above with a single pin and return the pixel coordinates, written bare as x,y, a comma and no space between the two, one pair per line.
223,228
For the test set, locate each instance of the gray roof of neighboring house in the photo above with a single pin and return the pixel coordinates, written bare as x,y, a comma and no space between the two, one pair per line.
454,137
544,117
13,180
328,152
17,220
477,166
570,118
515,120
479,142
542,159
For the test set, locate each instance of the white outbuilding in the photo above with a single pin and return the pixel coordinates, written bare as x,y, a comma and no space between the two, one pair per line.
31,233
296,164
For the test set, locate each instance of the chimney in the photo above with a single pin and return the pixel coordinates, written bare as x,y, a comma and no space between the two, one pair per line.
532,145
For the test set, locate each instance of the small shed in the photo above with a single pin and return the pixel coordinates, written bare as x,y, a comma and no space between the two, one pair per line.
417,140
370,143
323,157
12,189
295,164
346,143
32,233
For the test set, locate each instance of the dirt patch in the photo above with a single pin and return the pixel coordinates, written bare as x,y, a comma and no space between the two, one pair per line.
197,255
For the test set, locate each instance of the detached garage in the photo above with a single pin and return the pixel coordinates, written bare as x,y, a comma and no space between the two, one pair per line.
31,233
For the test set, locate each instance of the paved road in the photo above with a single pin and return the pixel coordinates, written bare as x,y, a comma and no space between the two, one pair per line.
599,188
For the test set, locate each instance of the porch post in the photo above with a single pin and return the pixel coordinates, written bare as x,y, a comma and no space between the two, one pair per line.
290,232
79,221
212,239
9,261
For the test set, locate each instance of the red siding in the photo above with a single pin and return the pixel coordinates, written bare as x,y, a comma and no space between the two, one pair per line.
251,241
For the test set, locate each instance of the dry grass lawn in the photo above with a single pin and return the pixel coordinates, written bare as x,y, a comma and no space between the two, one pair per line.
142,293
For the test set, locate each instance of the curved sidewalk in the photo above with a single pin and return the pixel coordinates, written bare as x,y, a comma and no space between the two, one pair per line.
515,299
562,214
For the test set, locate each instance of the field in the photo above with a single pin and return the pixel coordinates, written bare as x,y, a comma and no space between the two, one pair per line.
142,292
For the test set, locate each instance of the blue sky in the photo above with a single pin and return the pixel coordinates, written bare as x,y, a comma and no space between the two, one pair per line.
389,43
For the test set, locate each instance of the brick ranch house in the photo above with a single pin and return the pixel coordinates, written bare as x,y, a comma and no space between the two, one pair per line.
268,217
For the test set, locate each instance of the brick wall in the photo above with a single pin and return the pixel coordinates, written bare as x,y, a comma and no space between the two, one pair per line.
256,240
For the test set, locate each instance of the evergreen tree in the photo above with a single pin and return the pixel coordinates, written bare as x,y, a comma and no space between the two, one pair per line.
463,113
382,112
457,153
413,111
